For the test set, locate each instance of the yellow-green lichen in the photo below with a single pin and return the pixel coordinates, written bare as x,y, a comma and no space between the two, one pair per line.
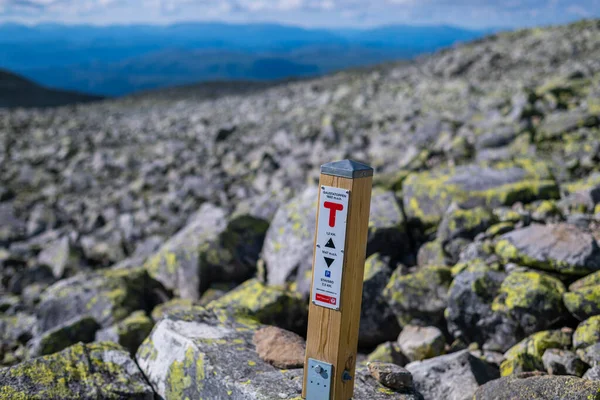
587,333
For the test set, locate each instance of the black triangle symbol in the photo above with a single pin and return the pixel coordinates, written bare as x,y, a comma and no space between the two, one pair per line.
330,244
329,261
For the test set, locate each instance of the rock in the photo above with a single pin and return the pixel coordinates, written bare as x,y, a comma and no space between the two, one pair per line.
82,371
13,228
585,282
587,333
530,301
377,321
591,354
387,229
288,246
593,374
427,195
419,343
196,256
561,248
280,348
583,303
391,375
15,331
421,297
388,352
454,376
469,314
59,256
170,306
563,362
108,296
559,123
129,333
209,354
536,387
78,329
527,355
270,305
431,253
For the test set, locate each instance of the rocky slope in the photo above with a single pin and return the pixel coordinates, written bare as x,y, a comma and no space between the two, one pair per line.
170,232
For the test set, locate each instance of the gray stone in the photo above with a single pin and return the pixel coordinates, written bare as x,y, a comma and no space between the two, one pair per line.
82,371
419,343
593,374
58,255
563,362
78,329
535,387
561,248
391,375
454,376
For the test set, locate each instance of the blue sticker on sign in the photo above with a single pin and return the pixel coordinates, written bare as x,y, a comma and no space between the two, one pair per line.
328,274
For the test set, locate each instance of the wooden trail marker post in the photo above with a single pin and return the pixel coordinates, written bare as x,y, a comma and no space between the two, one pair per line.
338,267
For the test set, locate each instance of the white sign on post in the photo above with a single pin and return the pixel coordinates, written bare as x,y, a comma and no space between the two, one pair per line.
329,250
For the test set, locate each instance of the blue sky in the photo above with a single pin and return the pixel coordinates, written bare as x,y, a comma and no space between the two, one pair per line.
310,13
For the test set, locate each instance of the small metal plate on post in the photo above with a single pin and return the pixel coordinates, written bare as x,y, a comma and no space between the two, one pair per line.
318,380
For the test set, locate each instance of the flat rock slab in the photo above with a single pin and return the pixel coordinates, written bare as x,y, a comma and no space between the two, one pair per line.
210,355
561,248
427,195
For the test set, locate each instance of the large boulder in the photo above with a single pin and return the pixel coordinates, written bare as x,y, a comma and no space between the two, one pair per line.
529,302
421,297
469,314
427,195
108,296
587,333
83,371
454,376
288,247
583,298
539,387
561,248
209,354
208,249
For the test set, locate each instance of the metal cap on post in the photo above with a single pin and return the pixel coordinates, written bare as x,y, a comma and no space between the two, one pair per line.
337,279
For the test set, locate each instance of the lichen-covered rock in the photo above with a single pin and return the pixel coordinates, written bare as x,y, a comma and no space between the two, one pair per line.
558,123
587,281
453,376
208,249
563,362
79,329
391,375
270,305
280,348
539,387
584,302
129,333
173,305
108,296
377,321
587,333
15,331
561,248
527,355
459,223
288,246
421,297
419,343
532,300
209,354
82,371
469,314
431,253
427,195
388,352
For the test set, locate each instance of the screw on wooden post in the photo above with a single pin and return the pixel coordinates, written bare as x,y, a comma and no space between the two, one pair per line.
338,268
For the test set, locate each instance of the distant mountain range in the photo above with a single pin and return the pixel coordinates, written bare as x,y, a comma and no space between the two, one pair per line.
16,91
117,60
